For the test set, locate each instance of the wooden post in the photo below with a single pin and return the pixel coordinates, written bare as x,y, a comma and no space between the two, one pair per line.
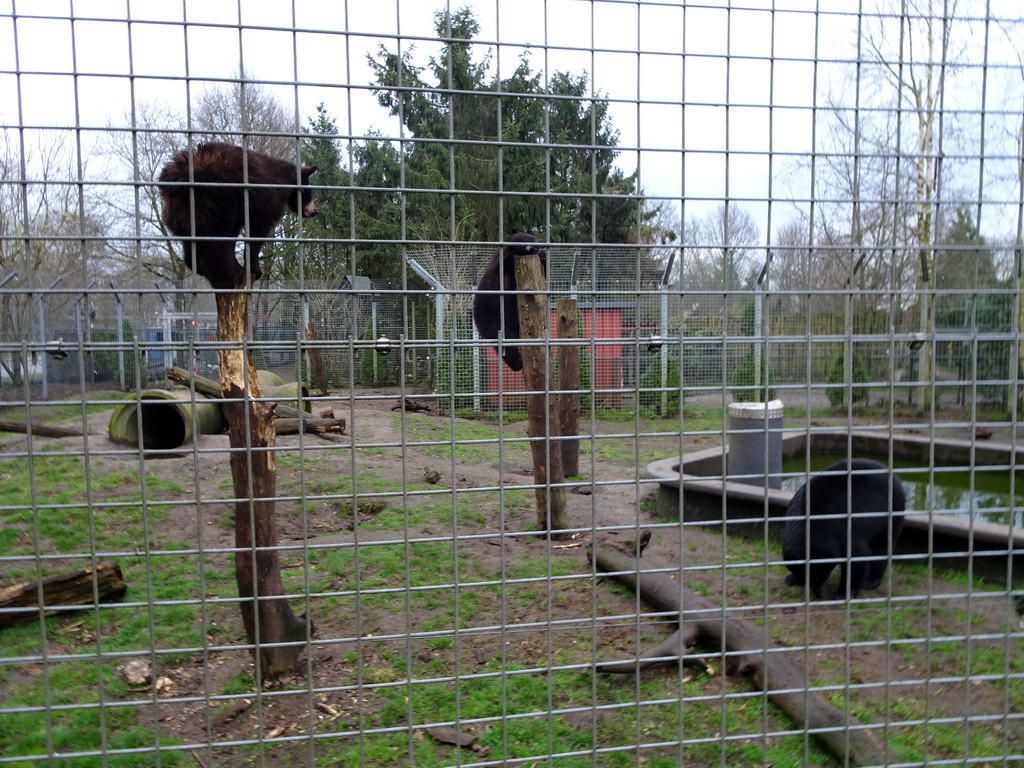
541,406
569,384
316,361
252,437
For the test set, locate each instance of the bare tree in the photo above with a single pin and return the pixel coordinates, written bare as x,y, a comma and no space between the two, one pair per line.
718,252
1016,261
45,231
792,257
246,113
911,51
663,230
136,154
451,267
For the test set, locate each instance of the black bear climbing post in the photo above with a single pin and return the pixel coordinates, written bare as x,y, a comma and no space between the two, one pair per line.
489,306
219,201
842,517
529,320
505,316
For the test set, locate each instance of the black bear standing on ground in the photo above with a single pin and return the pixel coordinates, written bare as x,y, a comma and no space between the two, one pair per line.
212,179
487,306
826,520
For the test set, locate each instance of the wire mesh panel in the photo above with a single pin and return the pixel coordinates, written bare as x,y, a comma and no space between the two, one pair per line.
754,497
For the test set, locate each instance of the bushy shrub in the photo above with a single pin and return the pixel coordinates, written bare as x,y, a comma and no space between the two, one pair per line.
837,377
375,369
105,361
742,380
650,389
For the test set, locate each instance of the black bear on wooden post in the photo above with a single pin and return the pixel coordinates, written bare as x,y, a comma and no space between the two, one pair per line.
500,275
218,179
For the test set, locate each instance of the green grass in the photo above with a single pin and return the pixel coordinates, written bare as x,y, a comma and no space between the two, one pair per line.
470,441
45,511
426,513
407,682
63,413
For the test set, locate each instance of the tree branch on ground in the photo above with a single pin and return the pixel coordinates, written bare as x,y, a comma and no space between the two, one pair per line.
753,655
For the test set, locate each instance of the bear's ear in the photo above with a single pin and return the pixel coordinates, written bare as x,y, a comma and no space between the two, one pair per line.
307,171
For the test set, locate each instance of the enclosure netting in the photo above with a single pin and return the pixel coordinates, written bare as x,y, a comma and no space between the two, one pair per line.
787,235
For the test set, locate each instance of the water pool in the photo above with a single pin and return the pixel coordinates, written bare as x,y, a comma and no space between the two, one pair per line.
984,492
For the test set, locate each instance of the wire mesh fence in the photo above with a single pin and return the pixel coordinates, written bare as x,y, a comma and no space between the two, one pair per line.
783,243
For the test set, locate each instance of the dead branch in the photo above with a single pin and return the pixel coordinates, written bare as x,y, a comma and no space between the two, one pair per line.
276,633
542,411
408,404
309,424
675,648
569,384
60,589
38,430
760,659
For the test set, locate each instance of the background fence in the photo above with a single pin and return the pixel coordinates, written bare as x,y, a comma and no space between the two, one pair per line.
748,202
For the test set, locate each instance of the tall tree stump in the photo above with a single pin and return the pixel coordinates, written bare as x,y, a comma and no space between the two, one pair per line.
541,404
569,385
268,619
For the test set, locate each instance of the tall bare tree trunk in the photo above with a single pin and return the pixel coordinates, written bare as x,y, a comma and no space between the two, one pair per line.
541,405
1017,366
269,621
569,384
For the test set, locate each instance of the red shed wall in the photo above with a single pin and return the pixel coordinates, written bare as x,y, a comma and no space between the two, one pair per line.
597,325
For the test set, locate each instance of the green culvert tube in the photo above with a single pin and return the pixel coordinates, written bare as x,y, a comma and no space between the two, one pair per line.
273,387
166,419
268,379
288,394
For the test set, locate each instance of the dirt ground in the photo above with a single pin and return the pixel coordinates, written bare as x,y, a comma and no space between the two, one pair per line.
610,505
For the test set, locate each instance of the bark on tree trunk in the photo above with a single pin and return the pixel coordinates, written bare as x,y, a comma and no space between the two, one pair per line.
569,384
541,406
760,659
317,363
269,622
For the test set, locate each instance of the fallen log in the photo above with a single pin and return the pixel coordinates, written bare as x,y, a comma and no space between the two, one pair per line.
203,385
310,424
675,648
38,430
61,589
759,659
413,406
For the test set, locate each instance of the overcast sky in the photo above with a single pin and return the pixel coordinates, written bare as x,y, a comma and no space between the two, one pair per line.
758,60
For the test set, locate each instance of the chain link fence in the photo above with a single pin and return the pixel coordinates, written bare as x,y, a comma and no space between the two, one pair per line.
808,214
